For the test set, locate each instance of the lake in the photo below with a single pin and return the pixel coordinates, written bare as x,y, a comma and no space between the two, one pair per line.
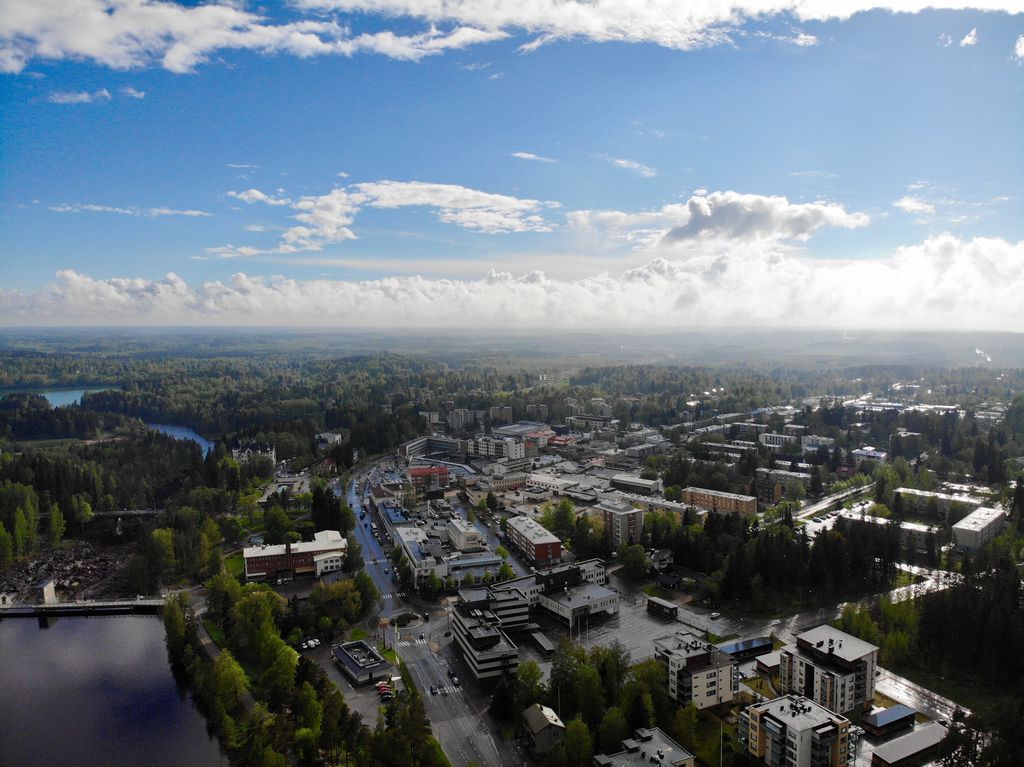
96,692
182,432
58,397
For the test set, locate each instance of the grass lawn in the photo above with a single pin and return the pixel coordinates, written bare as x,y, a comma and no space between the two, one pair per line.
903,578
706,747
760,685
389,655
216,634
657,591
235,565
358,634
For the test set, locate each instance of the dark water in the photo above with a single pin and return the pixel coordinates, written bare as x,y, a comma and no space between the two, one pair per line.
182,432
96,692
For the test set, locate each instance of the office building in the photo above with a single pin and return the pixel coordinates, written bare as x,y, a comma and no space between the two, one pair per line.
486,648
324,554
464,536
632,484
646,748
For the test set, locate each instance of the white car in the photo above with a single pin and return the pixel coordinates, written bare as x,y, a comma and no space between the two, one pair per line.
715,615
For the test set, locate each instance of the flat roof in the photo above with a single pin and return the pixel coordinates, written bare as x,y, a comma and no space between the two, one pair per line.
325,540
845,646
642,747
532,530
798,712
889,715
980,518
581,593
923,737
719,493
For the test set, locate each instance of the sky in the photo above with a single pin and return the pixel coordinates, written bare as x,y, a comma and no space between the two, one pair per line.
485,164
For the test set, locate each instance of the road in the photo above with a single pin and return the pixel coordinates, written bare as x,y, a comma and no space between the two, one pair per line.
458,719
458,714
829,501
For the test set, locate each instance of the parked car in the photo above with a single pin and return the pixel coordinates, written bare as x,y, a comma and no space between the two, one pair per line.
715,615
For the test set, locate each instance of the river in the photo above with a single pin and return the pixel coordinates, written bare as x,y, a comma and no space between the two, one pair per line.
96,692
183,432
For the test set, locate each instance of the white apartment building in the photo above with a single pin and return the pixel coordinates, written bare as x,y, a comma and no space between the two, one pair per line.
978,528
485,446
831,668
811,442
698,672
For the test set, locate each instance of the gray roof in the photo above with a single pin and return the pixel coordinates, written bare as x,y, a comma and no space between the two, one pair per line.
923,737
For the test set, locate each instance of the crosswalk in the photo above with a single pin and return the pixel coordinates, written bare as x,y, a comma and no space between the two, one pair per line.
411,642
448,690
379,561
393,595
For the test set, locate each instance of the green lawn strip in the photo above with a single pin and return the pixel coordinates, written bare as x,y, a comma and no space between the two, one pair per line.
235,565
215,632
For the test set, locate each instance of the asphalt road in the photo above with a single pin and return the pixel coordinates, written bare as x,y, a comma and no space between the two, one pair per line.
458,715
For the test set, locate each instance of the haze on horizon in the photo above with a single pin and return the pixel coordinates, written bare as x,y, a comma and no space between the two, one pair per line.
567,166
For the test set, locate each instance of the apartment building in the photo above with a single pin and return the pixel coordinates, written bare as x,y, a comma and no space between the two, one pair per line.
698,672
978,528
501,414
721,502
623,523
646,748
533,541
486,446
429,479
831,668
793,731
915,501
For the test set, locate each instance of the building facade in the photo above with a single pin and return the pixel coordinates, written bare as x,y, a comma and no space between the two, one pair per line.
533,541
287,560
830,668
793,731
623,523
698,672
721,502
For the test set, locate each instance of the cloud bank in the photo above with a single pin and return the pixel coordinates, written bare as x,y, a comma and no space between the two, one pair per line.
129,34
944,282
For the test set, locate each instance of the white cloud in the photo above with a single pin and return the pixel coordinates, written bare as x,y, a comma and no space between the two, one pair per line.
255,195
532,156
813,174
911,204
633,166
670,23
326,219
132,93
78,97
710,219
803,39
945,40
242,165
943,282
79,207
128,34
1018,49
969,39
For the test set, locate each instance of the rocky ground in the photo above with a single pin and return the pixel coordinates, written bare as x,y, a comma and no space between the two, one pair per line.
80,570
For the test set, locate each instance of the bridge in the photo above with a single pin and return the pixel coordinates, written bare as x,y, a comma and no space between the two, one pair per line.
143,606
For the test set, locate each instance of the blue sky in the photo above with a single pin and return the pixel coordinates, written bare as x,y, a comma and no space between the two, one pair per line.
375,162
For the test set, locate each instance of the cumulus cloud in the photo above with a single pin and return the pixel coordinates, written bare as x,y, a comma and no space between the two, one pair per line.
532,156
1018,49
911,204
255,195
327,218
632,166
128,34
804,40
942,282
80,207
728,217
78,97
969,39
670,23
